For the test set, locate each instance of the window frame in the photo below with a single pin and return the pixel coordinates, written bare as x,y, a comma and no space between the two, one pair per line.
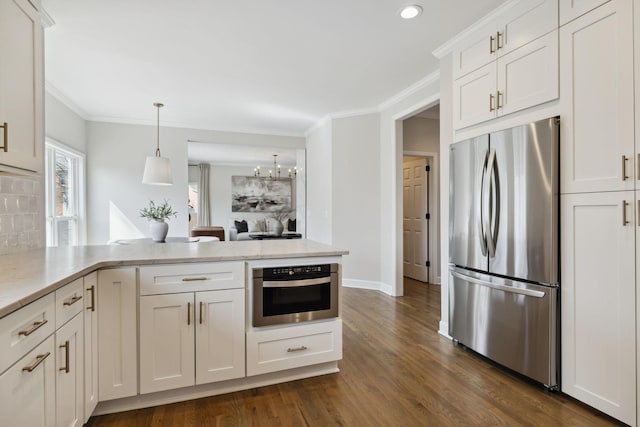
79,184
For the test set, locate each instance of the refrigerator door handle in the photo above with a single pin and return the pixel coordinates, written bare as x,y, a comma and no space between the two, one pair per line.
495,206
505,288
481,204
486,203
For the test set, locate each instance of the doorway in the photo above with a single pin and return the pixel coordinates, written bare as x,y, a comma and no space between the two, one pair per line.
420,196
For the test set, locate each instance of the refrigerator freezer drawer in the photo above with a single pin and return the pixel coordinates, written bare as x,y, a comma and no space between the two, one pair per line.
510,322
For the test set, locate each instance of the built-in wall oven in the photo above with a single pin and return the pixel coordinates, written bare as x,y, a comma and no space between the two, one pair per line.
294,294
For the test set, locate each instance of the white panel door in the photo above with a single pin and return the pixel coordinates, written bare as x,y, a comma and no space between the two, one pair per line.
70,374
597,105
598,301
90,344
528,76
571,9
524,22
414,219
27,389
476,50
117,333
474,97
220,340
167,344
21,80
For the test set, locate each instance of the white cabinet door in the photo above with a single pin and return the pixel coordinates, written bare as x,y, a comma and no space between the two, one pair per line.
90,344
528,76
518,24
220,339
27,389
70,374
474,97
598,301
167,347
117,334
21,86
571,9
597,104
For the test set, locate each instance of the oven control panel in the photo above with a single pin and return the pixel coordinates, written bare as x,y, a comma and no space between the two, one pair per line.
296,272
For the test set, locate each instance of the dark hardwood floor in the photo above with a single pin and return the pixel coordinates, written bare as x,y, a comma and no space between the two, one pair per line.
397,371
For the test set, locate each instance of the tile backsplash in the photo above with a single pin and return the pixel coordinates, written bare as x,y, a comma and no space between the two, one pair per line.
21,213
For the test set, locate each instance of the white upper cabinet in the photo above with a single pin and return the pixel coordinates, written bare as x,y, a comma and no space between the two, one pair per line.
572,9
519,24
21,87
597,104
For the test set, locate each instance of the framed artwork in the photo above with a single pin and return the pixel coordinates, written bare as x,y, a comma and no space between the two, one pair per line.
258,194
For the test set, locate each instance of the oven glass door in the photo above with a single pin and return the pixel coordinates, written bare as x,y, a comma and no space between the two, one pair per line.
279,300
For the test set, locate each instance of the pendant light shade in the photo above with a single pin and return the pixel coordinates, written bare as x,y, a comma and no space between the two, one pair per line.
157,169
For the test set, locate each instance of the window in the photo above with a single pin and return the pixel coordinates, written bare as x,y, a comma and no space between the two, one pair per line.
64,176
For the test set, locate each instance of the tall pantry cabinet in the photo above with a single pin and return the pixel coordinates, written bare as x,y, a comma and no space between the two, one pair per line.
597,202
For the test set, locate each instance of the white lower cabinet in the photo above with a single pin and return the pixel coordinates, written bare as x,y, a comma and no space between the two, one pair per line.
279,349
70,373
117,333
27,389
598,301
191,338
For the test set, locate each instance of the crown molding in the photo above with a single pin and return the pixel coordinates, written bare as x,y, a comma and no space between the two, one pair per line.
46,19
57,94
194,126
340,115
417,86
448,46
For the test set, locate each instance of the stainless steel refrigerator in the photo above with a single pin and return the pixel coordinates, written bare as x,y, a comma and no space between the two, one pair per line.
503,247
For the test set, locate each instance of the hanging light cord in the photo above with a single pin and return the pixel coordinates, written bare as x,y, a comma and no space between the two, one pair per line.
158,105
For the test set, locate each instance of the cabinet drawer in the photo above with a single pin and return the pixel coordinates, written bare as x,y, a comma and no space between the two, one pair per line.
166,279
24,329
292,347
69,301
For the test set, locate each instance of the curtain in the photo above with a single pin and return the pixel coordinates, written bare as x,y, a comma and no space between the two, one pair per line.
204,210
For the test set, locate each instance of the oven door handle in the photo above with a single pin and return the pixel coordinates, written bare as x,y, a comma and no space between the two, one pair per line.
295,283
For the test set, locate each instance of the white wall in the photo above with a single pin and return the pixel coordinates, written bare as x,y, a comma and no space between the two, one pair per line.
64,125
319,175
116,154
421,134
356,196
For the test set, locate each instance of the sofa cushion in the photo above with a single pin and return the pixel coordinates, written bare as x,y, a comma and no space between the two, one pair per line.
257,226
241,226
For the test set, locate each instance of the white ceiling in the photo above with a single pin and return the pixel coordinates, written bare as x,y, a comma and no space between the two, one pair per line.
234,154
270,66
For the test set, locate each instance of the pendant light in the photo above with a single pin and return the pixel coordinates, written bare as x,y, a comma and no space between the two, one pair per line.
157,169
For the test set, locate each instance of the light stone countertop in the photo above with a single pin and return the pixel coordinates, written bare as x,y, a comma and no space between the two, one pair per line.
28,275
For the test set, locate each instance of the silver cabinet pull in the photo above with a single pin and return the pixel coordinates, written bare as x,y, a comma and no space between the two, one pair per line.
625,159
498,42
33,328
92,290
491,41
201,307
188,313
65,368
5,126
194,279
39,359
491,98
624,213
498,96
301,348
74,299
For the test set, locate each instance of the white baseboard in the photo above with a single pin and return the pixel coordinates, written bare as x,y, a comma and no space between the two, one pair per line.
366,284
444,329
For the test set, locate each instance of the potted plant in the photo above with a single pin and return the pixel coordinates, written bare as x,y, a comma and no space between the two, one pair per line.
279,217
157,214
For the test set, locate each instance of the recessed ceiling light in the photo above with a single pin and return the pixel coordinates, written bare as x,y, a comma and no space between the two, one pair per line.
411,11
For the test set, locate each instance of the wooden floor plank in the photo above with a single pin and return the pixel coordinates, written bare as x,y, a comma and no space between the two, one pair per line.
396,371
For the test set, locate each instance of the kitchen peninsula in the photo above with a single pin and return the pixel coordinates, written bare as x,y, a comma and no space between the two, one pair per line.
169,322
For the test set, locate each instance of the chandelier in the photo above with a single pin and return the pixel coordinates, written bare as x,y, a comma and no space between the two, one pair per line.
274,173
